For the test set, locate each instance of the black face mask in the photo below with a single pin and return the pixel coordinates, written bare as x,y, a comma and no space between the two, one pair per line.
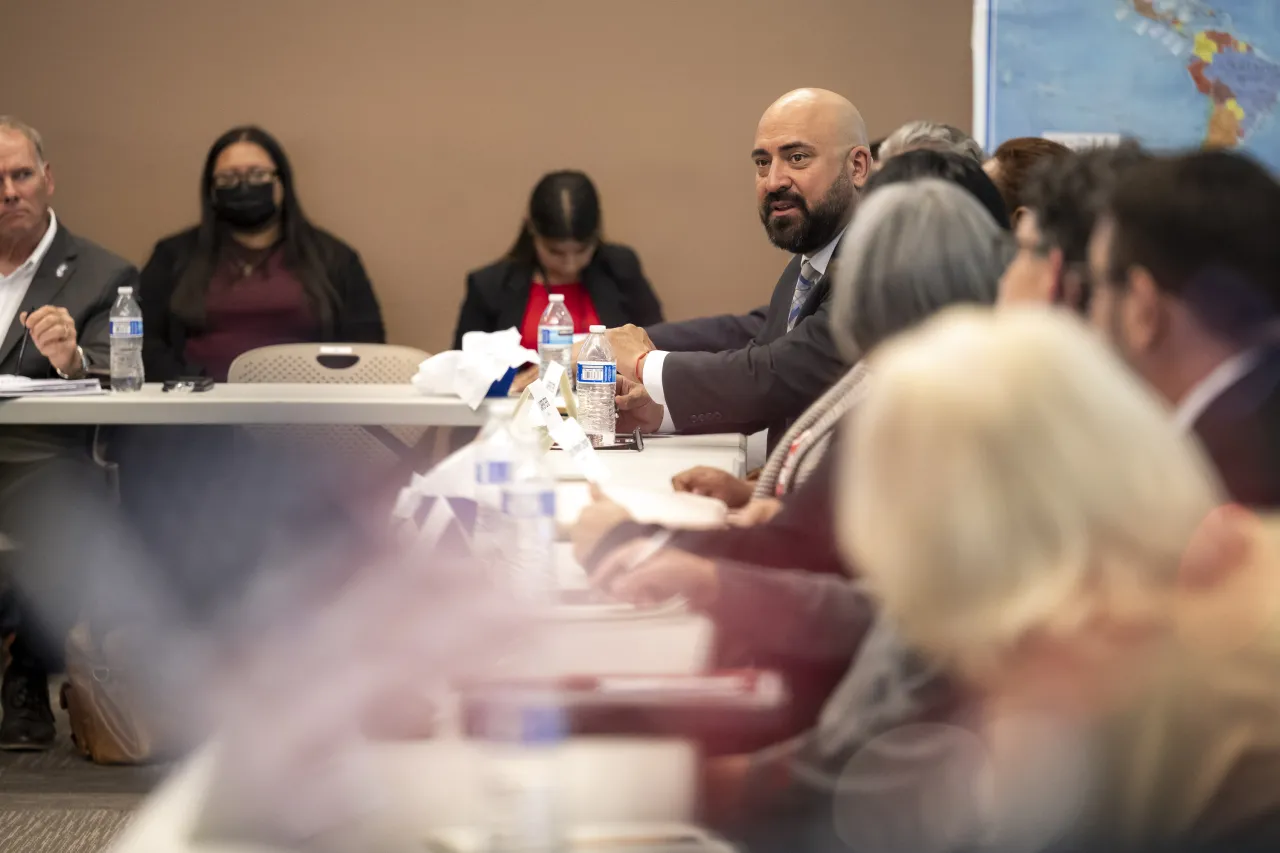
245,207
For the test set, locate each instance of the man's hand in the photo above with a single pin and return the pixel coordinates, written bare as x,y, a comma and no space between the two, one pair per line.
669,573
595,522
636,409
713,483
629,343
53,333
757,511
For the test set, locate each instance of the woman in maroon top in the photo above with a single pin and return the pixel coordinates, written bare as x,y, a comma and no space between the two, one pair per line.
253,273
559,250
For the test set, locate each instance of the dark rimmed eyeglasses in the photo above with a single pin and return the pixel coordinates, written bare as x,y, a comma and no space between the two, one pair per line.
251,177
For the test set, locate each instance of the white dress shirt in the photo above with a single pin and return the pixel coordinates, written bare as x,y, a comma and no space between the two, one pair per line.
14,286
1213,386
652,377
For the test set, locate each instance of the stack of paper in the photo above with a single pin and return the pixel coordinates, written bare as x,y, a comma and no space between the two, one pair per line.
23,386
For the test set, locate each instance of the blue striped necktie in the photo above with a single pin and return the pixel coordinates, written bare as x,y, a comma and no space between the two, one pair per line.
808,278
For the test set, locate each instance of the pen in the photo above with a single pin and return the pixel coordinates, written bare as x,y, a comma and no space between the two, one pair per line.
26,333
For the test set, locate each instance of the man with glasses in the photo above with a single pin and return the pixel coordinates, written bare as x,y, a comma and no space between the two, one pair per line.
1063,199
1185,267
56,292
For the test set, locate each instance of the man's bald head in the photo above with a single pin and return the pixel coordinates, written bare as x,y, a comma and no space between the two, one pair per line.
820,113
811,155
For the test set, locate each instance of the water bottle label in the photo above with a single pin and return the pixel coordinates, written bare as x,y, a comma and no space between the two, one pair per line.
555,336
597,373
529,504
493,472
126,328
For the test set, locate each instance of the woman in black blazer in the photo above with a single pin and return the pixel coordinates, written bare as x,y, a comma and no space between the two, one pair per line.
559,251
253,273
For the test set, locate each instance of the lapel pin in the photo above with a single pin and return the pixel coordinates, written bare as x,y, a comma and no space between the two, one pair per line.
61,270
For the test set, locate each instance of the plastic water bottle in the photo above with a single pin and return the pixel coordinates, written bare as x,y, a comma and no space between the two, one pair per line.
555,336
524,734
126,343
495,456
529,503
597,387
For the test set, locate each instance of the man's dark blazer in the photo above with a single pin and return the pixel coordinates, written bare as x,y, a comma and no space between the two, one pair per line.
1240,430
747,373
82,277
498,294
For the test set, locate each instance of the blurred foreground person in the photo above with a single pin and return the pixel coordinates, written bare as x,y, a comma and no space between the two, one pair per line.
1185,264
56,292
1023,510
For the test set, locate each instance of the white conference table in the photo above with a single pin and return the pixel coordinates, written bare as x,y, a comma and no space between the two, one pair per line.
654,789
252,403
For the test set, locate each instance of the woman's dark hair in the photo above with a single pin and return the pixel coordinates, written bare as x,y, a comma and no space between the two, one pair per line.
563,206
305,249
956,168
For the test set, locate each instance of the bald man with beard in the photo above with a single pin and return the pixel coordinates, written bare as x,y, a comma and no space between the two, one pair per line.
761,370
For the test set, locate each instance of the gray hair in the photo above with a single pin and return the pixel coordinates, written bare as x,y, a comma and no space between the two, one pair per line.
934,136
33,136
912,250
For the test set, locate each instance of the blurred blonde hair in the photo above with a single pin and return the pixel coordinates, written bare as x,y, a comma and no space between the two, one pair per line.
1007,475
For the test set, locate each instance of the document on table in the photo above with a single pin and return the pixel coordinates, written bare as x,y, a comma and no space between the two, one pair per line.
24,386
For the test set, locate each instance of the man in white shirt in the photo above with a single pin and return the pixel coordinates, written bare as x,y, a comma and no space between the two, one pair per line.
56,291
761,370
1185,265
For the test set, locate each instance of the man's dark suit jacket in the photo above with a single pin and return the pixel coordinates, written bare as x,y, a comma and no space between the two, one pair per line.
498,294
82,277
1240,430
744,374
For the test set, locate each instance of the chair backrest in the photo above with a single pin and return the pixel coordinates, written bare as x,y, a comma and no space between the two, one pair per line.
363,452
322,364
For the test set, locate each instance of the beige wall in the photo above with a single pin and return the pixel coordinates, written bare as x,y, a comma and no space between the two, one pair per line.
418,127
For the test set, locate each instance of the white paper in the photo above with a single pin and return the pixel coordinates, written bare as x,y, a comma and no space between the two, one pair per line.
544,404
485,358
573,441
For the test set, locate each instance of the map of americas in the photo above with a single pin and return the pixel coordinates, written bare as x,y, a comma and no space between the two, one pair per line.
1172,73
1242,85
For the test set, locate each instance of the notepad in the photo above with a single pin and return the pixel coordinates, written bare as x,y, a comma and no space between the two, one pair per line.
25,386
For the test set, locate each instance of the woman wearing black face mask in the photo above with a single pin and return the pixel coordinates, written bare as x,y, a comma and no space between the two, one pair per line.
253,273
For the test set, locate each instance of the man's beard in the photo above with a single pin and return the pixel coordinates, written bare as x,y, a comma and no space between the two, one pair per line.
811,229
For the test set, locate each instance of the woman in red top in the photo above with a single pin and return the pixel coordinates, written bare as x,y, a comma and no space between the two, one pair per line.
559,250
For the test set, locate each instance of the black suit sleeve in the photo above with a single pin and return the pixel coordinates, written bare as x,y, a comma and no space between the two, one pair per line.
361,318
476,315
747,389
161,359
709,334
